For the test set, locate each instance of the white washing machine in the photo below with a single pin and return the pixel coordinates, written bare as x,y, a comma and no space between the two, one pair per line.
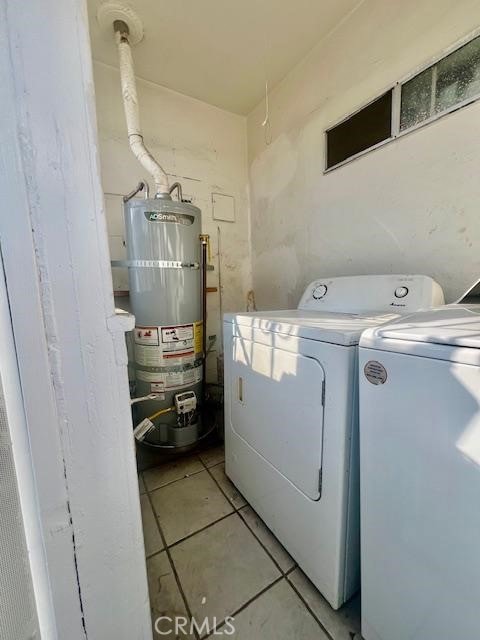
291,427
420,476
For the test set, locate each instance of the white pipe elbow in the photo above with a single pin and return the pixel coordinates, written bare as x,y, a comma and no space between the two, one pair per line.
148,162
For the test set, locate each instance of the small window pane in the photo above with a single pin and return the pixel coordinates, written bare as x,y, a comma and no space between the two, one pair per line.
365,129
416,100
442,86
458,76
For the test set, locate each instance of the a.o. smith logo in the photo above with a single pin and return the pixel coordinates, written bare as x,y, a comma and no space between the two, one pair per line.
175,218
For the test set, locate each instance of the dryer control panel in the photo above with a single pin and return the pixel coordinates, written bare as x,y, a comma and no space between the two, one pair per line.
365,294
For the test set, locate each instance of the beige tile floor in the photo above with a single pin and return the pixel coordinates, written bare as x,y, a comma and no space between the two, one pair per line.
210,559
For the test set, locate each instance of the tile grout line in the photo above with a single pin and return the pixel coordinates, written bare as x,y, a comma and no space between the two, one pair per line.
189,475
264,547
207,469
284,574
167,484
235,510
207,526
309,609
238,510
244,606
210,524
167,547
174,569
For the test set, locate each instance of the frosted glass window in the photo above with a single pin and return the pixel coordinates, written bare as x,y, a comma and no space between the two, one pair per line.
416,100
442,86
458,76
450,83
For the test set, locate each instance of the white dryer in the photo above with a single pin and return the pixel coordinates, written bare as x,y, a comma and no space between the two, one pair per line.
420,476
291,434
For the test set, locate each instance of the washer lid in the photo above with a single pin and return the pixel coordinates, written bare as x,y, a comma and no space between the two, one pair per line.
451,332
336,328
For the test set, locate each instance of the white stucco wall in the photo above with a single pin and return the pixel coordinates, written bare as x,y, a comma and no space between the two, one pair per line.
83,529
203,147
410,206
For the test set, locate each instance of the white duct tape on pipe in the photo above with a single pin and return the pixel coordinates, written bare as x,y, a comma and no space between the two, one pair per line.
130,101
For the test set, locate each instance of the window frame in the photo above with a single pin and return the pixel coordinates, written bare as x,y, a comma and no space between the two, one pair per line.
351,115
396,90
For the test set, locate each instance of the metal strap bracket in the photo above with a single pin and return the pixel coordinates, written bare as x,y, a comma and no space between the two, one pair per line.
155,264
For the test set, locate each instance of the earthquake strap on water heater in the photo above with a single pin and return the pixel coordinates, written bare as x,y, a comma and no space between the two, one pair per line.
155,264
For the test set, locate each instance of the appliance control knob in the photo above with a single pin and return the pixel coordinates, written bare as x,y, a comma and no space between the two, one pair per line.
319,291
401,292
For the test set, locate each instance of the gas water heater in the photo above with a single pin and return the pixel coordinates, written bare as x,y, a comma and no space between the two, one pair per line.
165,276
166,260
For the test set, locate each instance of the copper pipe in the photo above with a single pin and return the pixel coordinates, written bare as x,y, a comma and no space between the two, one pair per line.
204,238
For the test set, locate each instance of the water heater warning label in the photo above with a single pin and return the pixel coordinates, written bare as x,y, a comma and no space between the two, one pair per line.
159,389
176,335
198,337
167,346
147,336
171,380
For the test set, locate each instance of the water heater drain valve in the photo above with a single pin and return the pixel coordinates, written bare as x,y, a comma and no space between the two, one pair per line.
185,402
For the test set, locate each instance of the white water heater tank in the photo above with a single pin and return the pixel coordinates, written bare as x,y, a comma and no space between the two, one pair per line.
163,259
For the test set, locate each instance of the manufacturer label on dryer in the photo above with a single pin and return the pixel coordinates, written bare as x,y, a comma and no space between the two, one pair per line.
375,372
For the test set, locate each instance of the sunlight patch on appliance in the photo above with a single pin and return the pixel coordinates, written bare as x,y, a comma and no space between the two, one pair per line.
469,442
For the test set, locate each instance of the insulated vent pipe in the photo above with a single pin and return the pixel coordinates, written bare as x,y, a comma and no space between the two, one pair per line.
130,103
